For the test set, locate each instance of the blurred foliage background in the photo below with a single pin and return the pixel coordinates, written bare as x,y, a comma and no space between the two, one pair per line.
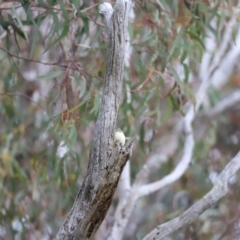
52,61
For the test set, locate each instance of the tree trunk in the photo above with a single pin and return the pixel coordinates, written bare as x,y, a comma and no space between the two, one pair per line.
106,160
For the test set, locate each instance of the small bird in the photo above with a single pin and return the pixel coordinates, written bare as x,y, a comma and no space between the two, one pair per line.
119,135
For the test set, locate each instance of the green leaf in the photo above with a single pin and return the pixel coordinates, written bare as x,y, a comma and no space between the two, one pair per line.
96,104
17,30
64,12
189,94
18,170
26,6
176,44
78,161
65,26
86,25
150,113
175,75
141,135
175,104
168,112
235,31
50,75
163,4
63,34
72,136
83,87
183,56
195,37
33,21
76,4
34,41
42,4
19,22
186,72
214,32
56,23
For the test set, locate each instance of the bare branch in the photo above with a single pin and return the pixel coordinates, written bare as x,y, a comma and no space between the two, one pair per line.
224,104
224,58
219,190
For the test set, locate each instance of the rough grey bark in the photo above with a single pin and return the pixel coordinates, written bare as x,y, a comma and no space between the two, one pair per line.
106,160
